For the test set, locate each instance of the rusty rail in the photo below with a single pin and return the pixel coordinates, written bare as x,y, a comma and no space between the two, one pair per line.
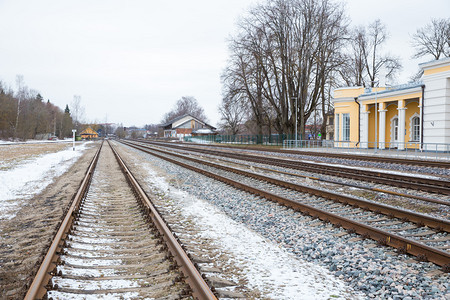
417,218
405,245
37,289
200,289
391,160
421,198
416,183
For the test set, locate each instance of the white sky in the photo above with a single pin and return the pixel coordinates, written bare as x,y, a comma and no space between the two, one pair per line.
130,61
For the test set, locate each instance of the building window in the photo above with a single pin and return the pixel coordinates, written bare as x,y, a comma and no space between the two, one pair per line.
330,120
415,129
337,127
346,127
395,129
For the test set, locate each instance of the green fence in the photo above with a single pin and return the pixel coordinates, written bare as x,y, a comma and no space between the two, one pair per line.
274,139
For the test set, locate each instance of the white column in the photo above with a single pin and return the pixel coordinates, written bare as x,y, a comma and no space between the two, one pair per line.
421,122
401,128
382,129
365,129
336,129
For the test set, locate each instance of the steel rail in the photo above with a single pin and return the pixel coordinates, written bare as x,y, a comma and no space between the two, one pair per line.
38,287
421,198
391,160
417,183
426,199
405,245
200,289
417,218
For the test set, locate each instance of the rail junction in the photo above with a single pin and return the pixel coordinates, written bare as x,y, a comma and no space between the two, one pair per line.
114,242
404,230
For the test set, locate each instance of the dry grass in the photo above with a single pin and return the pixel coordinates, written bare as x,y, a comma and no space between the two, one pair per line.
10,155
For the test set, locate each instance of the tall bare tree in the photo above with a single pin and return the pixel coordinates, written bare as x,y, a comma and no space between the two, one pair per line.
232,113
186,105
367,58
282,58
433,39
77,112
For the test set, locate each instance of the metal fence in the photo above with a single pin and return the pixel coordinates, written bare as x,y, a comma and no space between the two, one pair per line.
395,149
274,139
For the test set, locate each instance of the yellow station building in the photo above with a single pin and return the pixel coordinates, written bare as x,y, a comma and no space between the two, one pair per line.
415,115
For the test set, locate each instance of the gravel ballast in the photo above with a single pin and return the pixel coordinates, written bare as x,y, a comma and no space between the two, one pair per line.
376,271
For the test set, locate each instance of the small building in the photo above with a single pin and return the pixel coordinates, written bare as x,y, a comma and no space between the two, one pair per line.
414,115
89,134
186,125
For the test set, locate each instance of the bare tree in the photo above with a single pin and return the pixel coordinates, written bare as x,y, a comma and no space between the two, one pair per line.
367,58
284,53
232,113
77,112
20,96
433,39
186,105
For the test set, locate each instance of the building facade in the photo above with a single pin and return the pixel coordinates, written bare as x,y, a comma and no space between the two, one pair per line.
186,125
89,134
415,115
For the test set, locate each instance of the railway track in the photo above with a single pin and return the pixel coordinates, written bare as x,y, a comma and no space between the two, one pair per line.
336,182
397,180
114,243
390,160
420,235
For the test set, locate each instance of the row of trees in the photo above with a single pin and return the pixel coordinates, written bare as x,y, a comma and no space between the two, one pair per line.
25,115
289,54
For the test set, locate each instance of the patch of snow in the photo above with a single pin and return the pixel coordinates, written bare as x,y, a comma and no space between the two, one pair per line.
33,176
108,296
2,142
269,268
95,285
95,262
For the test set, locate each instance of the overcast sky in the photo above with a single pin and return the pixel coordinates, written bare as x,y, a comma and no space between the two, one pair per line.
130,61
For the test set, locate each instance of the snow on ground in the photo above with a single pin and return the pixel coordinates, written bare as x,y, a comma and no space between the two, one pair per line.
2,142
32,176
269,268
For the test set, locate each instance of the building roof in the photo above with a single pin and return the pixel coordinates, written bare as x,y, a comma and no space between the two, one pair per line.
397,88
175,120
404,89
89,131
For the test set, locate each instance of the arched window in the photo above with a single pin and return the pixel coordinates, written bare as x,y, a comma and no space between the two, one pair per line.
395,129
415,129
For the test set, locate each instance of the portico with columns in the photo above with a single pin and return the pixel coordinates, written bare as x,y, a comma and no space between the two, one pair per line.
393,129
396,117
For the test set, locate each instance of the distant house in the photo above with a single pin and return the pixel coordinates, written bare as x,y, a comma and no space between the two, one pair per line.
186,125
89,134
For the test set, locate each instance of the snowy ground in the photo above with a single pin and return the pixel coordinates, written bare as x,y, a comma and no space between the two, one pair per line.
31,176
2,142
270,269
